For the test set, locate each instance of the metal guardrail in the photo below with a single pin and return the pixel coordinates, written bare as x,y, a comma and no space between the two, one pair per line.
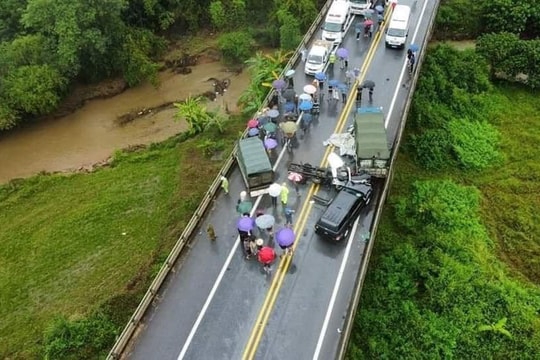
349,320
152,291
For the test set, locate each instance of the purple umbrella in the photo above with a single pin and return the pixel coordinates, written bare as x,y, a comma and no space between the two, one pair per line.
279,84
270,143
342,53
285,237
245,223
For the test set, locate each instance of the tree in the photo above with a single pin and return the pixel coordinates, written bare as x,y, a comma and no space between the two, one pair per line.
85,34
289,31
236,46
498,327
33,89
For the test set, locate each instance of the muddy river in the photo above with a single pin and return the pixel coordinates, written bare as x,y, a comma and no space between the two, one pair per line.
92,133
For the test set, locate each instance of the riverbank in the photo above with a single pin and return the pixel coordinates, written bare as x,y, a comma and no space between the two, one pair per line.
92,133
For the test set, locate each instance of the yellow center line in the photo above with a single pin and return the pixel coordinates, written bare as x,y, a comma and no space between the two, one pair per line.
268,304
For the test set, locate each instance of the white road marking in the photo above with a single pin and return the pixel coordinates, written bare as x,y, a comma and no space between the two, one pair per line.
335,291
339,278
391,108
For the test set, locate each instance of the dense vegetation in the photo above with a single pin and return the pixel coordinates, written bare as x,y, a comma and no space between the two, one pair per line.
456,267
48,46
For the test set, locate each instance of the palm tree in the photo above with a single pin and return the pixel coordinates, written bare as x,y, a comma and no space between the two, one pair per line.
497,327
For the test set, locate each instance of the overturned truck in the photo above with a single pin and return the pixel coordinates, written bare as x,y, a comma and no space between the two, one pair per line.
372,148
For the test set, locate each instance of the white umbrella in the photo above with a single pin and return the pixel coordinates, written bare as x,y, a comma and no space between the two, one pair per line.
305,97
274,190
310,89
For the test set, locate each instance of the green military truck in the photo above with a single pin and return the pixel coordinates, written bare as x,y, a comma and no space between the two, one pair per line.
372,148
254,165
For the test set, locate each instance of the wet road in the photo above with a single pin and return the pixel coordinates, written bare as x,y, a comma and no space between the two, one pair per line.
211,304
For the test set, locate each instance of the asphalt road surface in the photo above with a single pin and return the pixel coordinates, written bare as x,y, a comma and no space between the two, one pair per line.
217,305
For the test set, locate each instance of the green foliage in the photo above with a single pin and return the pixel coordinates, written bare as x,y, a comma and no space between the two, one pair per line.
33,89
506,15
8,117
236,47
137,66
228,14
263,69
198,117
475,144
457,20
432,149
443,205
435,285
79,339
289,31
303,10
510,57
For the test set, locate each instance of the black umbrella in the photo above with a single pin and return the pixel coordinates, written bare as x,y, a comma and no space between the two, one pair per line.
368,84
289,94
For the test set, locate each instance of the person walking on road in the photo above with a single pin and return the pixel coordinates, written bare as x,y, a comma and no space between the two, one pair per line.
371,95
225,184
284,194
331,61
359,96
288,216
358,30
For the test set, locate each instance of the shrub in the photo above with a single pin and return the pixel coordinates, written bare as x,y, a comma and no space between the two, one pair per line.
79,339
431,149
475,144
236,47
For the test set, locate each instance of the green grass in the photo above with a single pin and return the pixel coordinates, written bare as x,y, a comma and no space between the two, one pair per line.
498,278
74,243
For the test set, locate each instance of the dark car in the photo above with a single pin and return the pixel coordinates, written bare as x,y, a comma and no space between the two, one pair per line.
336,221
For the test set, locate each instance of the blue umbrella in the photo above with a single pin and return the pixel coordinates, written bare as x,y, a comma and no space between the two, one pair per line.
414,47
279,84
342,53
379,8
245,223
285,237
320,76
305,105
333,82
253,132
289,107
273,113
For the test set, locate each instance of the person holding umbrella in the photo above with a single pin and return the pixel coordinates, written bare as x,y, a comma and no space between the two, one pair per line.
266,256
285,238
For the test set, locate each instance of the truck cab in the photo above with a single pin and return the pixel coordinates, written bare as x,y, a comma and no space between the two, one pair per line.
317,57
336,20
254,165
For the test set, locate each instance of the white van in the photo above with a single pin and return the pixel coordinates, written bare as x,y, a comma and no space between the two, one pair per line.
334,24
398,28
359,6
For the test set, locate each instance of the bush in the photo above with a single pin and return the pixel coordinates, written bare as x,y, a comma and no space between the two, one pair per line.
79,339
475,144
458,20
431,149
236,47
